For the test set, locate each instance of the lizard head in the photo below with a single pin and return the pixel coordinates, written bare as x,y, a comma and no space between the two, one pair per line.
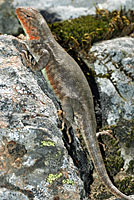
33,23
29,22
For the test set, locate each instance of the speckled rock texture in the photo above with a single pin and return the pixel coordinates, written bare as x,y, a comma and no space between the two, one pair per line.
34,164
8,20
113,68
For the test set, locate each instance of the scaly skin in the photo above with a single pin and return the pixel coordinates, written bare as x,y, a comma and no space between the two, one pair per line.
69,84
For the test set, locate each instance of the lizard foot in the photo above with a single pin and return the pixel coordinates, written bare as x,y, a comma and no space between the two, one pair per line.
69,137
105,132
27,59
63,126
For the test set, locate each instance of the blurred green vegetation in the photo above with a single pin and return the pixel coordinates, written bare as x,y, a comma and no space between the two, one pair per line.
82,32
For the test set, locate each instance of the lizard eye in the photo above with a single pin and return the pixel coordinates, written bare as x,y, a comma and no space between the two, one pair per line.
28,16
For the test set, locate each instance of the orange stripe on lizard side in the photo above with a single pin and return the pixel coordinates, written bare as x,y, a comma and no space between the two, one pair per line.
53,82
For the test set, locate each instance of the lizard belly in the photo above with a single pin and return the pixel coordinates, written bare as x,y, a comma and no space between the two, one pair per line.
54,83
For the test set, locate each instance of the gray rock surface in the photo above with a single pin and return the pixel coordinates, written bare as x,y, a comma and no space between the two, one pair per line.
116,5
75,8
114,68
34,163
112,62
8,21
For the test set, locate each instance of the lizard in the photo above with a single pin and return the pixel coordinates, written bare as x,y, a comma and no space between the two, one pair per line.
69,84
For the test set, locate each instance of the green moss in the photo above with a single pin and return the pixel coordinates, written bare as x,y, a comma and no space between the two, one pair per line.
131,167
106,75
47,143
81,31
130,137
114,163
113,160
126,185
125,132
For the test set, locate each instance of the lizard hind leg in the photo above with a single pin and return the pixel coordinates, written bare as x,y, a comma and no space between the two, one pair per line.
68,115
72,110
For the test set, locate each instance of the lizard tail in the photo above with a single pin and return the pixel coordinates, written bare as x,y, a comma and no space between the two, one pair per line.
92,145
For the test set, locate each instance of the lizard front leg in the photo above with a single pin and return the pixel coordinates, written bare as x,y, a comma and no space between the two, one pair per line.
42,62
41,58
